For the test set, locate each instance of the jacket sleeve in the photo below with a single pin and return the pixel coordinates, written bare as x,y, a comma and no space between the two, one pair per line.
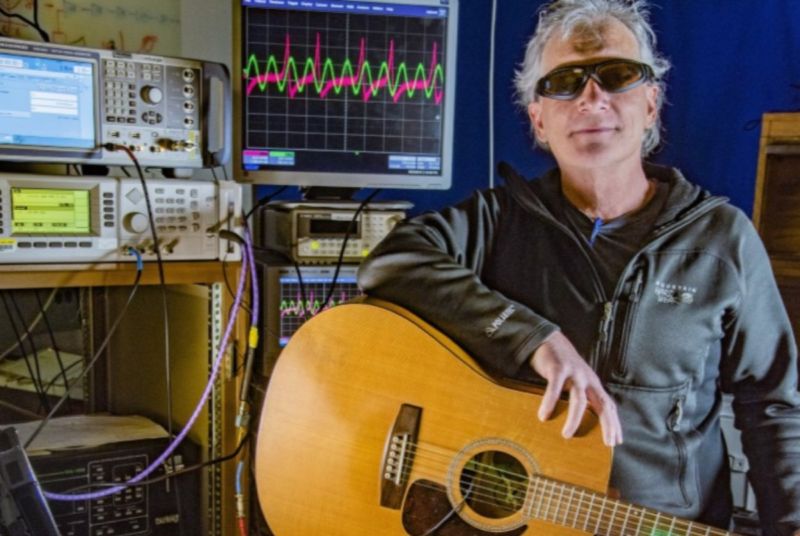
760,369
432,265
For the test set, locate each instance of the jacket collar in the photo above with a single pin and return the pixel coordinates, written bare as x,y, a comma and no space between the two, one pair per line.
685,199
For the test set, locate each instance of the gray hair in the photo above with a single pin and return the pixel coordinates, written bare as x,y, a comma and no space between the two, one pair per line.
567,16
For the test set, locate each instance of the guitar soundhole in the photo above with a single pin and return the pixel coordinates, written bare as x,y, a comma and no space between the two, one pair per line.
494,484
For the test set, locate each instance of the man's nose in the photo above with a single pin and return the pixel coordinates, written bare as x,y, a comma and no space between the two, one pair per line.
593,96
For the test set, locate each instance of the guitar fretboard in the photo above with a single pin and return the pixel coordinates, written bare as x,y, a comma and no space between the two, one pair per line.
594,513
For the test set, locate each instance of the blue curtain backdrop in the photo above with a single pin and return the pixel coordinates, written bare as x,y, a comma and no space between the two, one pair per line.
732,61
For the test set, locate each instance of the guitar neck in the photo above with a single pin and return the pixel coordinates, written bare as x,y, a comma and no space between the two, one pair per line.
574,507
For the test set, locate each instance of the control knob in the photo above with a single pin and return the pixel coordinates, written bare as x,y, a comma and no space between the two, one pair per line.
135,223
152,94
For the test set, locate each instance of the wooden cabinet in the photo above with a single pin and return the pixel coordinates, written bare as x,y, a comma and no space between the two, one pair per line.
776,210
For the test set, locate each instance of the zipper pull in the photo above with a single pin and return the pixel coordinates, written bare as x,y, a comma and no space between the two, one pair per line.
605,321
637,286
675,416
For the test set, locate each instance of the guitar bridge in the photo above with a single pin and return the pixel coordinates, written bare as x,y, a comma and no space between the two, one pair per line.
398,456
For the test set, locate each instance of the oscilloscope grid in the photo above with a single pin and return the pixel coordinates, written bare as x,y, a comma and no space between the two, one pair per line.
310,112
294,312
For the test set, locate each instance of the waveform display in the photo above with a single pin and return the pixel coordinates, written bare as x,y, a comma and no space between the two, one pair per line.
356,87
294,311
363,79
313,305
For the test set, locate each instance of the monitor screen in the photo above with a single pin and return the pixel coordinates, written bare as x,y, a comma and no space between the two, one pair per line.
47,101
50,211
346,93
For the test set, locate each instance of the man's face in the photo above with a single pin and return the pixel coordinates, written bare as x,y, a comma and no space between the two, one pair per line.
596,128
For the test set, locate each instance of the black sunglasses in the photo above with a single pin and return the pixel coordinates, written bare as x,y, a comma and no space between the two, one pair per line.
614,76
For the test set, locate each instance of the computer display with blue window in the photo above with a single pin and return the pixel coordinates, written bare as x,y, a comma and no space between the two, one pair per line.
47,102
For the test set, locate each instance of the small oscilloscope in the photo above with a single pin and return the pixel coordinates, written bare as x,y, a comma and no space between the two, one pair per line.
293,295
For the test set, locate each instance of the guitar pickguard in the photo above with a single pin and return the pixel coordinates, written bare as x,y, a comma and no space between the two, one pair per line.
427,504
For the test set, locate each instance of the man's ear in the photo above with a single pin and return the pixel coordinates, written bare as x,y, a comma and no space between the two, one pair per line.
535,116
652,104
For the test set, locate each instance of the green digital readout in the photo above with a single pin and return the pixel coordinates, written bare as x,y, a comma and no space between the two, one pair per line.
50,211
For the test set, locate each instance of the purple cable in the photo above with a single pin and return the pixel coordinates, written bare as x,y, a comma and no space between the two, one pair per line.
253,279
180,437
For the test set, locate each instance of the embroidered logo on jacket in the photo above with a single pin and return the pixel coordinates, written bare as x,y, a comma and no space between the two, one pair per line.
491,329
677,294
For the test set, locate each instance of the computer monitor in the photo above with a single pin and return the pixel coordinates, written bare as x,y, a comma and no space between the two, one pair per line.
345,93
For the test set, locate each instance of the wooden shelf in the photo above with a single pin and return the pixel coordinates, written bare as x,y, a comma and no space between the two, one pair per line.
17,276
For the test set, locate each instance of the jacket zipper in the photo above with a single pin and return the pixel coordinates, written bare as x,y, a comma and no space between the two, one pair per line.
603,331
628,323
674,425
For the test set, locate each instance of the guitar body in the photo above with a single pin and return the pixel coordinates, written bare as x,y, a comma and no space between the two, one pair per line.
374,423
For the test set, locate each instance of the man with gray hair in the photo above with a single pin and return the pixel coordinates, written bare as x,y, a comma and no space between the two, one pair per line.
617,282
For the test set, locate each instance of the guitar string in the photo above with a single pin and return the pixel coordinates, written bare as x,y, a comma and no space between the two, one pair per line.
489,498
600,515
603,519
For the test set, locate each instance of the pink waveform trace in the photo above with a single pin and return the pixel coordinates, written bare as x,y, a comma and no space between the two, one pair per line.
349,81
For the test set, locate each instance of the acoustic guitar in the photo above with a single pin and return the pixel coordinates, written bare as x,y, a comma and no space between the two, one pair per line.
374,423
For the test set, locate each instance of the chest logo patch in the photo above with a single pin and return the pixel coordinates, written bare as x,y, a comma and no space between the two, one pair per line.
675,294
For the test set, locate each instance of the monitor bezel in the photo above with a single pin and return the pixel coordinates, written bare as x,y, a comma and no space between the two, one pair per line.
349,179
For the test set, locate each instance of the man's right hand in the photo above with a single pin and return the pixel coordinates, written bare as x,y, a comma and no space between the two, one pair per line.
558,362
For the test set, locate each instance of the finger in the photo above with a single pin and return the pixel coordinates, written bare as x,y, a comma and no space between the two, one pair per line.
606,410
550,398
577,406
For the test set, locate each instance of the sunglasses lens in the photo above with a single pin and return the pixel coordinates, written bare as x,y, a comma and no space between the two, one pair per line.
618,76
563,82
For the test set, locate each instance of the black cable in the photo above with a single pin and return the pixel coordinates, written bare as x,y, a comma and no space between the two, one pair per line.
39,28
225,174
34,352
350,229
263,201
53,342
21,347
44,35
92,362
161,278
52,382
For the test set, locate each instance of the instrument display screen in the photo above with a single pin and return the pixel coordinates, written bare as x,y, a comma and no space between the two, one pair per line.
47,101
50,211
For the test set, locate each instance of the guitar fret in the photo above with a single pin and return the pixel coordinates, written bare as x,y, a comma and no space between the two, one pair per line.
578,509
558,502
708,530
569,505
642,511
600,514
613,514
671,526
541,502
588,512
530,497
550,499
625,521
689,529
